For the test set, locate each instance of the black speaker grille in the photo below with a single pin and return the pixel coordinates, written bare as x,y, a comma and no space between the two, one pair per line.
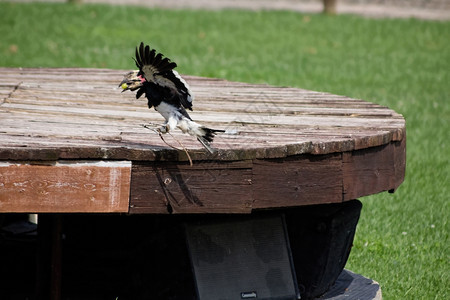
242,259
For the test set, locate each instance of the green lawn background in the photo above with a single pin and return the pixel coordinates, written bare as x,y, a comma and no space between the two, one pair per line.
402,238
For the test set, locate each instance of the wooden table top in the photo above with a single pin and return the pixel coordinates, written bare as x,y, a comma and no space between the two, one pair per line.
283,147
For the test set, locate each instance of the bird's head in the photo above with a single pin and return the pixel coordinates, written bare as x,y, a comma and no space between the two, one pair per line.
132,81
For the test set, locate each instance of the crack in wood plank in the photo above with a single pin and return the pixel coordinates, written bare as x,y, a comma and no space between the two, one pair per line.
15,88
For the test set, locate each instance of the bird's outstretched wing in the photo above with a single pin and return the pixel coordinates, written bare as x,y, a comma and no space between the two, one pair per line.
157,69
167,92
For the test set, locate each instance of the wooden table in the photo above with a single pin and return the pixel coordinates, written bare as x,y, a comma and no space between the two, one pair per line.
71,142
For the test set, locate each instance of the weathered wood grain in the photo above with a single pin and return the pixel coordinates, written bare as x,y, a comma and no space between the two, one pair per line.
297,180
243,186
373,170
284,146
367,170
65,187
61,108
206,187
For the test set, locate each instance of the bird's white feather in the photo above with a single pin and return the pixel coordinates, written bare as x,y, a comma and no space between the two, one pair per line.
167,110
174,118
190,97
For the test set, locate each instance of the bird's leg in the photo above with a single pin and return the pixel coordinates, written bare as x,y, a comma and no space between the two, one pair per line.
150,125
170,124
157,127
164,128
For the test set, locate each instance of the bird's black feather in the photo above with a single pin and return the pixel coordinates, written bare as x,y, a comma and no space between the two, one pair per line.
157,60
210,133
140,92
146,56
176,91
137,59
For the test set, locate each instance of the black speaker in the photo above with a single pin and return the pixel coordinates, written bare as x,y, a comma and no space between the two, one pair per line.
242,257
321,237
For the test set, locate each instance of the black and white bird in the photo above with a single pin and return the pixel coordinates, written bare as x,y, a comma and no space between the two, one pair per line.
167,92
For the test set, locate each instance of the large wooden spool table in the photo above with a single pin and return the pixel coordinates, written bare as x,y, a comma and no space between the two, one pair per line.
71,142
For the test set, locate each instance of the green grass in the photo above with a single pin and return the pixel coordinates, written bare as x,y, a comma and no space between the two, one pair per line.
402,239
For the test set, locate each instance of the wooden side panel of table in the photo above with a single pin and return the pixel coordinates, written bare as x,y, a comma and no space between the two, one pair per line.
65,187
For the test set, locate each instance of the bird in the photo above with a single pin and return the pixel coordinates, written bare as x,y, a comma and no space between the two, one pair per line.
167,92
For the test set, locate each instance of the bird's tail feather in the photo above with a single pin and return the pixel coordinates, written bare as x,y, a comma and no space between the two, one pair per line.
207,137
209,134
205,144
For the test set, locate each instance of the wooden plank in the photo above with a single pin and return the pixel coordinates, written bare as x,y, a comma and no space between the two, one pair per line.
325,120
65,186
240,187
297,181
230,187
399,162
373,170
209,186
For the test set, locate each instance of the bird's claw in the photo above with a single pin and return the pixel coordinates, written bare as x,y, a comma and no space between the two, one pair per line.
156,128
163,129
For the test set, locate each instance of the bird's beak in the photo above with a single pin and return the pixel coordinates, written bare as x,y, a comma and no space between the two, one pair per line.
123,85
131,81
